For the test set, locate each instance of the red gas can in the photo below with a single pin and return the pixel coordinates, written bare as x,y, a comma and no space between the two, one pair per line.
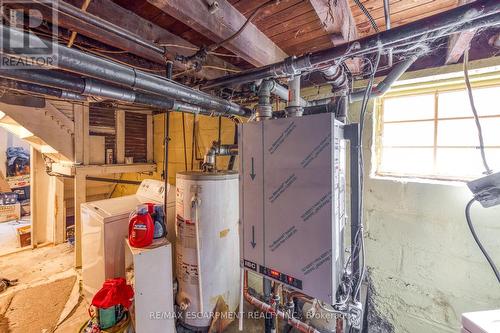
141,227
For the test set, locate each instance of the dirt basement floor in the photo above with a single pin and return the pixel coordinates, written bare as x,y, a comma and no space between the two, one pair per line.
47,298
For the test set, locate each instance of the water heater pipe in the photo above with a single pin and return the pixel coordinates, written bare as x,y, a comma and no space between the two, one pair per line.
264,307
294,108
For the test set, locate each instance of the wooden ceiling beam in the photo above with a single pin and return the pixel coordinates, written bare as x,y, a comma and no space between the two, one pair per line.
113,13
337,20
252,44
459,43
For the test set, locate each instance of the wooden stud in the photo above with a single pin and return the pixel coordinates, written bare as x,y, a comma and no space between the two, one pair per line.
120,136
80,197
149,139
78,119
86,134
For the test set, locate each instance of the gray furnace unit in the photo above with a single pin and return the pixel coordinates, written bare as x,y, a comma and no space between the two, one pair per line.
292,199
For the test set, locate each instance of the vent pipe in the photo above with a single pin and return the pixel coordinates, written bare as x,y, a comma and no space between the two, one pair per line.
72,87
111,71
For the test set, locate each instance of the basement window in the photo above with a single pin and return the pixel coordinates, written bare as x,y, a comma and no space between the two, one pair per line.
433,134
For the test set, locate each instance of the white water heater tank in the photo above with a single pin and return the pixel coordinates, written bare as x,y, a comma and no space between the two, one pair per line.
207,244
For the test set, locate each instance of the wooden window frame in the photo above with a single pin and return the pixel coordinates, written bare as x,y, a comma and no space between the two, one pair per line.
379,131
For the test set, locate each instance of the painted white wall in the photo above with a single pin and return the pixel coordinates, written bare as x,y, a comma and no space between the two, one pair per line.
8,139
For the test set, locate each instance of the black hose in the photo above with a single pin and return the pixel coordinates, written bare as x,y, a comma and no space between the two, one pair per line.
475,113
478,242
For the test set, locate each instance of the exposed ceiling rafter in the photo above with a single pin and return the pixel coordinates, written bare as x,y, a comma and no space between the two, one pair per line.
115,14
252,44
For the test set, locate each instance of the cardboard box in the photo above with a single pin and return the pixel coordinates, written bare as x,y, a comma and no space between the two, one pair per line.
10,212
24,235
18,181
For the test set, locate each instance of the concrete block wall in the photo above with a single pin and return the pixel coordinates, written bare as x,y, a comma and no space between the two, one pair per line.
424,264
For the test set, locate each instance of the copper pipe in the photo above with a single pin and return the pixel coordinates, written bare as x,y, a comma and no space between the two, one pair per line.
264,307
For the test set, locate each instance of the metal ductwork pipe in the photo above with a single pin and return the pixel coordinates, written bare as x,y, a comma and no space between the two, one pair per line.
264,107
218,149
98,22
294,108
89,65
42,90
389,80
71,85
478,14
282,92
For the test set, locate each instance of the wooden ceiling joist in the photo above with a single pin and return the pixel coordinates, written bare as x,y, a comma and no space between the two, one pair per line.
113,13
337,20
251,45
459,43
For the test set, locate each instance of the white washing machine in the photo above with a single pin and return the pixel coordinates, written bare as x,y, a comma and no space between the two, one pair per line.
481,322
105,228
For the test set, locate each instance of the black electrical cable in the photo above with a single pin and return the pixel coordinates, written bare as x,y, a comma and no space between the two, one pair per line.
364,106
474,111
368,15
240,30
478,242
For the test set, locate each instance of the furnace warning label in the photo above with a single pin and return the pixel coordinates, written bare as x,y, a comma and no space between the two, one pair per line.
283,238
317,263
187,233
326,199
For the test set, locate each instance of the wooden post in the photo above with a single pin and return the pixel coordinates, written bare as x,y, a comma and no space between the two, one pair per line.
33,203
59,211
120,136
86,134
80,197
150,139
78,135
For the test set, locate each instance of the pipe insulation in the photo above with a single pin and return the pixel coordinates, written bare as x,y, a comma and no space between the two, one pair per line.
90,65
390,79
73,86
42,90
478,14
98,22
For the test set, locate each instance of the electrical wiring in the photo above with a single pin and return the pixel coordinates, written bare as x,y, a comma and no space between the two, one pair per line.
222,69
119,61
364,106
192,48
478,242
368,15
242,28
474,111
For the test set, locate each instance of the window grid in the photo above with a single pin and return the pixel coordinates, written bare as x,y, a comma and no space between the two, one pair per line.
436,120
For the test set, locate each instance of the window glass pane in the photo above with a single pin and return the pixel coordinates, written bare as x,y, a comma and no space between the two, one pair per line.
491,130
407,161
409,108
457,104
409,134
465,163
464,132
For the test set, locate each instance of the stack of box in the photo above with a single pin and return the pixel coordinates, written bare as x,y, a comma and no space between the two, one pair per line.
21,186
10,208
